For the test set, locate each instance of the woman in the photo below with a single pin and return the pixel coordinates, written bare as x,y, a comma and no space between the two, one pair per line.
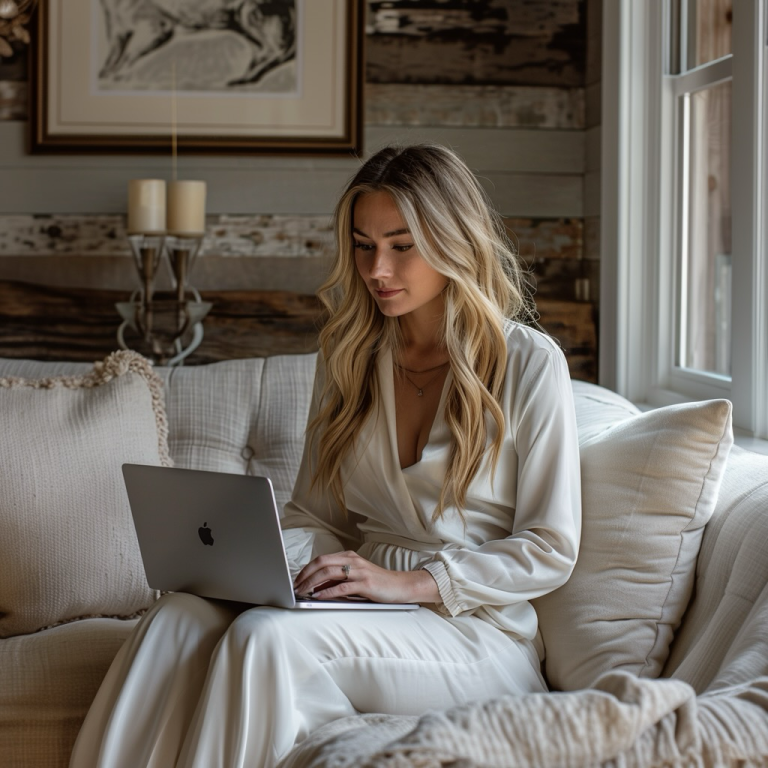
440,467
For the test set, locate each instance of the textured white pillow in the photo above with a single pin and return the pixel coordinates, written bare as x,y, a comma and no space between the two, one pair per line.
649,485
68,544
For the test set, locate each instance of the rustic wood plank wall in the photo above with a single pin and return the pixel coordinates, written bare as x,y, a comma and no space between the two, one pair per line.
513,85
49,323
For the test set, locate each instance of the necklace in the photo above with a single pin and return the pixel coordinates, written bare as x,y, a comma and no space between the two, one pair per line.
420,389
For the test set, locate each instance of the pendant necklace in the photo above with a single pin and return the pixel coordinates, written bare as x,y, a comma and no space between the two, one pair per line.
420,389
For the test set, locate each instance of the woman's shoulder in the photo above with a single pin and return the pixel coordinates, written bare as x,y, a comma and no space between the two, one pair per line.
525,341
533,356
535,365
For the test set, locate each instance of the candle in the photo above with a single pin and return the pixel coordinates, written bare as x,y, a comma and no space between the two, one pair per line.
186,207
146,206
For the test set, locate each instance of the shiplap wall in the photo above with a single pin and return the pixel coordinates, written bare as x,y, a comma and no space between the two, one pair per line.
510,84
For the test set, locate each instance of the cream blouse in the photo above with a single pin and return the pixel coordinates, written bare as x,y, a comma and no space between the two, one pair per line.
519,536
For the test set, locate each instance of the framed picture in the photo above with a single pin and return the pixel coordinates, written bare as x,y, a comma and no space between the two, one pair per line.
210,76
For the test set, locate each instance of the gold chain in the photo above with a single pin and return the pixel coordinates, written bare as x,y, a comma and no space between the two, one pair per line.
420,389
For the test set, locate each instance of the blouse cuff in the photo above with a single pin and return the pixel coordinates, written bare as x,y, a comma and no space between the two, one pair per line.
444,586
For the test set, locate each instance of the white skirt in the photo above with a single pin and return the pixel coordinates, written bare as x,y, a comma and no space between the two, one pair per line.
201,683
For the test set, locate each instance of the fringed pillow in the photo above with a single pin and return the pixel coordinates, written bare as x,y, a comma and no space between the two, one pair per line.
68,547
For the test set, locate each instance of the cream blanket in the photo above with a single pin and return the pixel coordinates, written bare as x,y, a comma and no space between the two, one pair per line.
622,722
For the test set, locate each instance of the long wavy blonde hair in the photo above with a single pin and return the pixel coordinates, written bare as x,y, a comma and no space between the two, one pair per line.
457,232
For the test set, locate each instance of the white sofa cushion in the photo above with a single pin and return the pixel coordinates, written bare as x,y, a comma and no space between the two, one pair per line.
649,485
714,648
49,679
69,546
241,416
598,409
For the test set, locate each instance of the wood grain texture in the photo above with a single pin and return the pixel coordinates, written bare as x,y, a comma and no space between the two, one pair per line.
13,100
511,42
46,323
489,106
260,236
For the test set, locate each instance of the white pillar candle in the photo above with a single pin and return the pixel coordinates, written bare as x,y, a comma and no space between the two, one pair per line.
146,206
186,207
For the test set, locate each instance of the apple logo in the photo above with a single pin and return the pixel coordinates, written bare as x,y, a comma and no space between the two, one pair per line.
205,535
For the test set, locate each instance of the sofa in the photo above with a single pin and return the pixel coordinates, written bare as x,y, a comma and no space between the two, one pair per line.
656,649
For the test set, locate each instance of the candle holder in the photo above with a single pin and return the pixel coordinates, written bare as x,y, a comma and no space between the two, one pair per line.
182,250
181,332
147,250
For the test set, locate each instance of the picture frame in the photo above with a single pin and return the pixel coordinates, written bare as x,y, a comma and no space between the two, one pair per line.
284,76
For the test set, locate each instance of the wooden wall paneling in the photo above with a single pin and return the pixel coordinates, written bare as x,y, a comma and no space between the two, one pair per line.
527,173
488,41
513,150
269,252
62,190
555,278
573,324
594,58
302,274
593,107
13,100
546,238
499,149
592,193
518,194
592,147
400,104
226,235
497,106
592,238
47,323
536,195
263,236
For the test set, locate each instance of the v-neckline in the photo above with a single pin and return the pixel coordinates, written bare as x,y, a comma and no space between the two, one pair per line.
387,379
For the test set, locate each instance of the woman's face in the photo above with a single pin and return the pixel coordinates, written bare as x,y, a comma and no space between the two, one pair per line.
398,278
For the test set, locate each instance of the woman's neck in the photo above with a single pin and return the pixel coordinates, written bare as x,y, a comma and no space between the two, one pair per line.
422,335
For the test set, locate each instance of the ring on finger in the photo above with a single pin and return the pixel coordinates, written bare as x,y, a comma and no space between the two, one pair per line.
346,569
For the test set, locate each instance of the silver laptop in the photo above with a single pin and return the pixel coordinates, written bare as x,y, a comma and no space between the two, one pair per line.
217,535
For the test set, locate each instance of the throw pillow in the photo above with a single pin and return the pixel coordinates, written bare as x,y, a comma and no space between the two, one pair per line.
69,548
649,486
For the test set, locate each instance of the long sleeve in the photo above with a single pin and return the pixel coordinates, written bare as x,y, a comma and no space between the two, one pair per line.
312,522
539,466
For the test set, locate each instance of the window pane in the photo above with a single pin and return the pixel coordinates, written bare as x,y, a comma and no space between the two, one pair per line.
705,302
709,30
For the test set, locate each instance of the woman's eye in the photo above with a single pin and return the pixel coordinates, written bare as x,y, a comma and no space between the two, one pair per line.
363,246
402,248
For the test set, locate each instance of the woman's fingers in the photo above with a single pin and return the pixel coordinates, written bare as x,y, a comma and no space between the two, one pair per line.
336,567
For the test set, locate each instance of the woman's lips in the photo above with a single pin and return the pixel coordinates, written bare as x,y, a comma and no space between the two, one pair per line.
387,294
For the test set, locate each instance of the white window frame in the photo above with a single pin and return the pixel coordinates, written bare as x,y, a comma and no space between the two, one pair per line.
638,223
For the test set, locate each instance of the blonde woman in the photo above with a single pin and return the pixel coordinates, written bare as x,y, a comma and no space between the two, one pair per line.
440,467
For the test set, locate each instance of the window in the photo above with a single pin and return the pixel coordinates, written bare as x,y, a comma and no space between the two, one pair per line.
697,87
684,237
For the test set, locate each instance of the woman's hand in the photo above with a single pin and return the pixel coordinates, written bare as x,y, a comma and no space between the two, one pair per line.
346,574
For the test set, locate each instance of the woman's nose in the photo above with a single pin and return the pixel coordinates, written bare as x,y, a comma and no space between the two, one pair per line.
381,266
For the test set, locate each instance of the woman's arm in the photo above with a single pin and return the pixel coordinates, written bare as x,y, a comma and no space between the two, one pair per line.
539,554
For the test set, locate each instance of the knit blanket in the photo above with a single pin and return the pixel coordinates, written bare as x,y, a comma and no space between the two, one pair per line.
622,722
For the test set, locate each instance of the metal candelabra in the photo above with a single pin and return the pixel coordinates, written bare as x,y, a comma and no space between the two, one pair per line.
163,342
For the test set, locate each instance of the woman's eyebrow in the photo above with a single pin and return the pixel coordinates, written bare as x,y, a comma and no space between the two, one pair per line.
393,233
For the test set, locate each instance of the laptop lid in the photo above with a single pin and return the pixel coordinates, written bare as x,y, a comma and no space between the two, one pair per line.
209,533
217,535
